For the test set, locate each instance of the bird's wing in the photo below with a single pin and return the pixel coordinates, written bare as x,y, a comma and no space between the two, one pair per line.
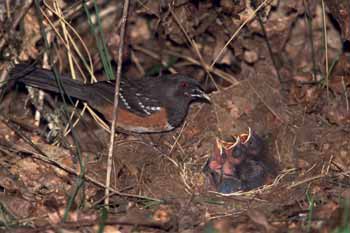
133,96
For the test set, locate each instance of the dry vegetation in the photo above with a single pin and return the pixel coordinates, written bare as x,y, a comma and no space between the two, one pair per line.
281,68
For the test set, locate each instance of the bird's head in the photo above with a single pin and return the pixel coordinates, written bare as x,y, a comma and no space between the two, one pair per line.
185,88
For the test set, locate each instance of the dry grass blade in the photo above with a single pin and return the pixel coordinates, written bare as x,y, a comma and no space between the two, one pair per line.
325,36
238,30
68,40
26,6
116,98
194,47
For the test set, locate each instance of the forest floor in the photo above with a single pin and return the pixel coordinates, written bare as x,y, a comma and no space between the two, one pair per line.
285,74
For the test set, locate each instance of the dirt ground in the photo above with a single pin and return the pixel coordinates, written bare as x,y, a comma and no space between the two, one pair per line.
281,69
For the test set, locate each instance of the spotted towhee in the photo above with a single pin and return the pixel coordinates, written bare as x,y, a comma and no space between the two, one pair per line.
149,105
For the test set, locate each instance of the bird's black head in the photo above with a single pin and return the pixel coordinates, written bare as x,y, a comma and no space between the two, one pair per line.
185,88
176,92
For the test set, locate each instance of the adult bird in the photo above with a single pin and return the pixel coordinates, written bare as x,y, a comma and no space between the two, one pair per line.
151,105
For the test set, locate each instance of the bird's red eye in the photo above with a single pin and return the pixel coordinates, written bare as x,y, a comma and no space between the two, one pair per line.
183,84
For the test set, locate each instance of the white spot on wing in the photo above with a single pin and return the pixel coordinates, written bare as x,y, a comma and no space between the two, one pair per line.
144,108
124,101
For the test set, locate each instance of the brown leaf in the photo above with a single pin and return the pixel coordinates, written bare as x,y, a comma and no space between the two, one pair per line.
16,205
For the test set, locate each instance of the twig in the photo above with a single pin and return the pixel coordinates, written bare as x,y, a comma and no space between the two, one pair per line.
345,94
3,76
116,101
110,221
345,173
307,180
237,31
16,21
325,46
68,15
226,76
329,164
194,47
123,221
310,34
273,58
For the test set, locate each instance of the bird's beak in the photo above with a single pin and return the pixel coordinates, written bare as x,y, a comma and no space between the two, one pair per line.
225,145
200,94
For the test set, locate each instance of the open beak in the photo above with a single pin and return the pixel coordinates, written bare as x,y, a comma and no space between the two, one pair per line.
225,145
200,94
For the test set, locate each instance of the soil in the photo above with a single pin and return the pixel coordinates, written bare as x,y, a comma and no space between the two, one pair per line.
276,76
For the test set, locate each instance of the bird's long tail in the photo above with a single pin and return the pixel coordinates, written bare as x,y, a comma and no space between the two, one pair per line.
45,80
